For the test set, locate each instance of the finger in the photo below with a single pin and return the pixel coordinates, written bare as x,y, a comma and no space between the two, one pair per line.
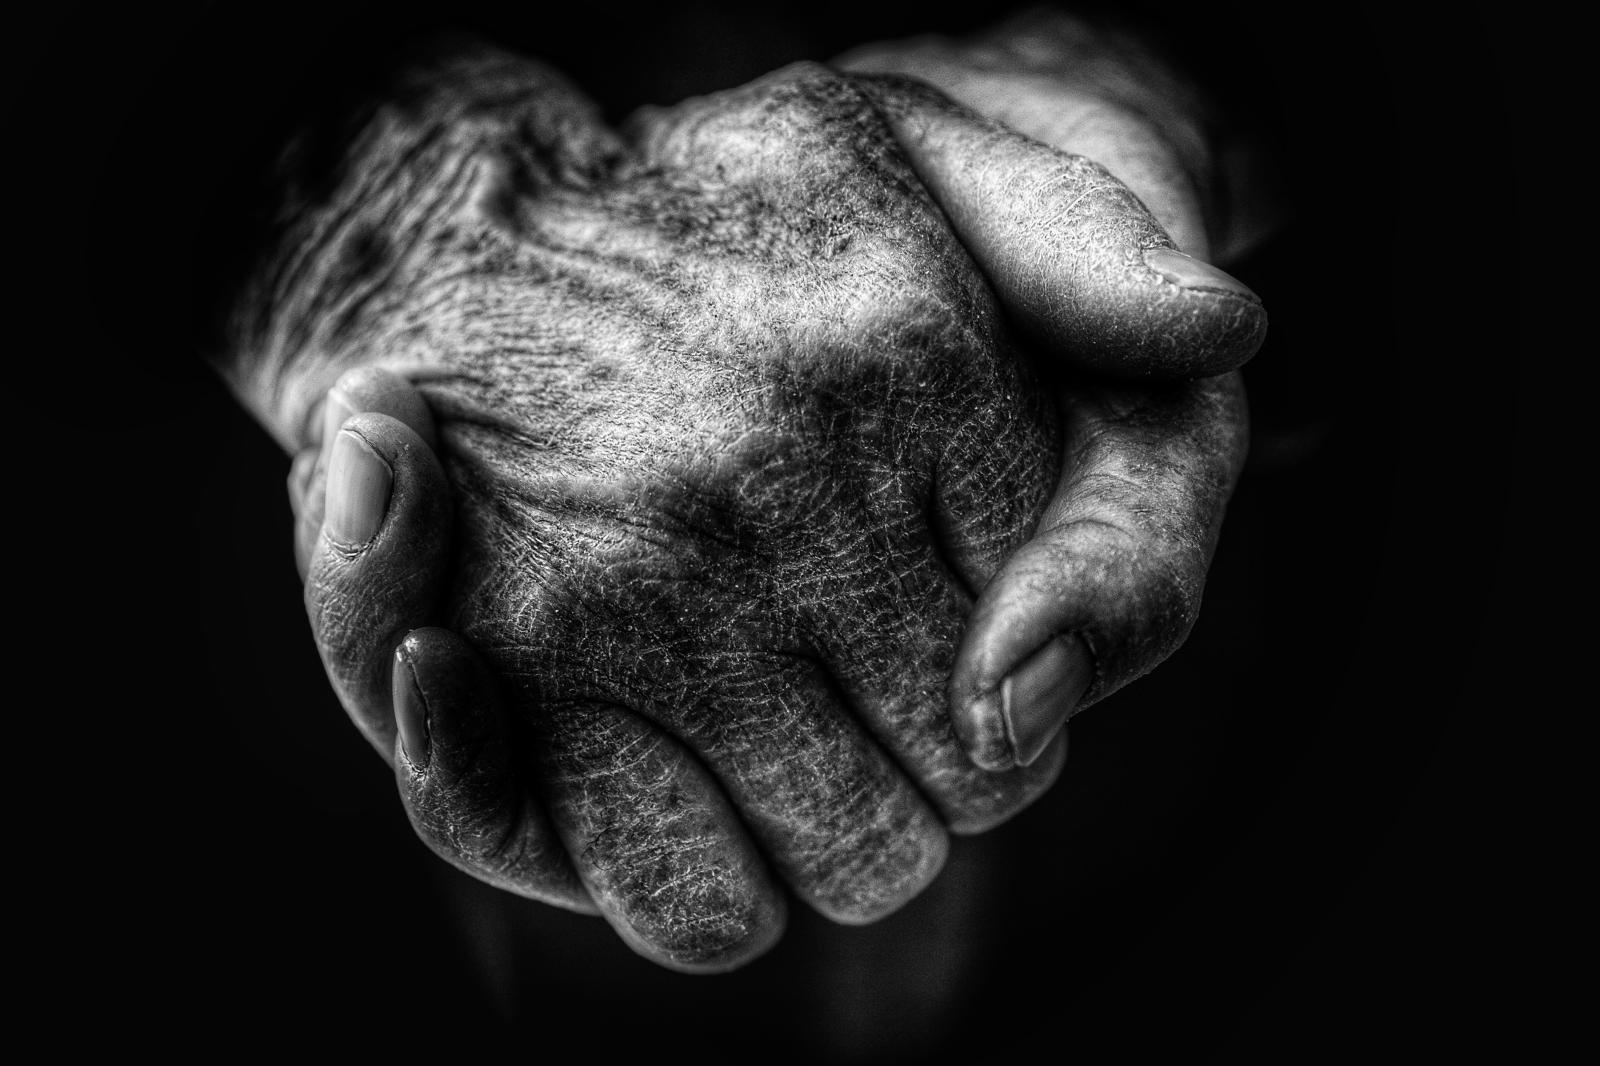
1073,255
652,836
462,789
944,496
891,645
1110,582
1130,148
655,842
378,563
848,833
360,390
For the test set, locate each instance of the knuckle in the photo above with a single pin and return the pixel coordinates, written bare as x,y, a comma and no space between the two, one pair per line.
779,116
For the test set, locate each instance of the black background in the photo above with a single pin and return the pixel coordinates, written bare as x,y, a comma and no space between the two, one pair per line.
1295,837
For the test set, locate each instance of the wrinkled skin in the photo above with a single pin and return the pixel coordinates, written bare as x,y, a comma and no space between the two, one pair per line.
736,434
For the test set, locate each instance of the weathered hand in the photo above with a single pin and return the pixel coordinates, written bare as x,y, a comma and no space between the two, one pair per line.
728,409
1120,559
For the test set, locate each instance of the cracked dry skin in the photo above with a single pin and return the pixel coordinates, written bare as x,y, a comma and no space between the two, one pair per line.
735,432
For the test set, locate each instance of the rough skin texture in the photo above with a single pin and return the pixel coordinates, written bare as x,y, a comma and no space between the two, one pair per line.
727,411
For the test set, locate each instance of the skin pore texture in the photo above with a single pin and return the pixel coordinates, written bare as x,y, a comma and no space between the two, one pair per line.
735,434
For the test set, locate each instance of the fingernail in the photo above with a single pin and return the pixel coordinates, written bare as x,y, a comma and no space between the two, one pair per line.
990,748
410,711
334,411
1039,695
1192,273
358,491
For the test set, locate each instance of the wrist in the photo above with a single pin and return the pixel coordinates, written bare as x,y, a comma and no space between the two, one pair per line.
365,207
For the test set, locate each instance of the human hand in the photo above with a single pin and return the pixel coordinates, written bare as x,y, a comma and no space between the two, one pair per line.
907,397
1165,455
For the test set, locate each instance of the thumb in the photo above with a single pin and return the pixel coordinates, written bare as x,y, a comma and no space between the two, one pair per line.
1111,581
1071,252
362,390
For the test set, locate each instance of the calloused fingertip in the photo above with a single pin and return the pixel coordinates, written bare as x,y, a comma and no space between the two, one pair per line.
1211,323
763,935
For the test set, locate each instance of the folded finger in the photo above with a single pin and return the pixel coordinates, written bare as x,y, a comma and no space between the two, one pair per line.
465,793
661,852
